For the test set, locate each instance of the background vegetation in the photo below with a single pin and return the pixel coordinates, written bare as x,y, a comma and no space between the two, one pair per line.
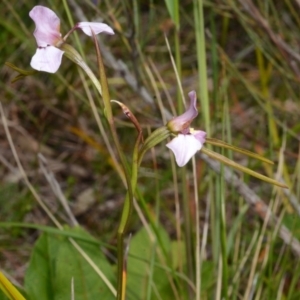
242,58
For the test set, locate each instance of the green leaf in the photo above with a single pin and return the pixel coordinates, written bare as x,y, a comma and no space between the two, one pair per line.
178,254
55,262
222,144
67,233
22,73
172,6
207,276
231,163
38,275
143,256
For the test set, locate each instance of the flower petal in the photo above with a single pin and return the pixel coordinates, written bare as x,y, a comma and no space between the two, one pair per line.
47,59
184,146
47,26
199,135
182,122
95,26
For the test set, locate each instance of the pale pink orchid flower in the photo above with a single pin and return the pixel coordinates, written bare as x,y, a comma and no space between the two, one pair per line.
188,141
47,34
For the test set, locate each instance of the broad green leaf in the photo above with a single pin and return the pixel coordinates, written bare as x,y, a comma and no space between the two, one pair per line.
55,263
208,277
141,273
178,254
40,275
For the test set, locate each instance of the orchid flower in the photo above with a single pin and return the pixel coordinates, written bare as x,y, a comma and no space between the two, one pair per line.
47,34
188,141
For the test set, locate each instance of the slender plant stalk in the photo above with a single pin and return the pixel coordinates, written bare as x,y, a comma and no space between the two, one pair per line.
188,229
186,205
205,112
223,235
8,289
177,53
265,73
215,62
131,181
218,290
126,212
197,234
201,58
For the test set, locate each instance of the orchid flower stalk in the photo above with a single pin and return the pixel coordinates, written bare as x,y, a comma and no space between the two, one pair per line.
51,47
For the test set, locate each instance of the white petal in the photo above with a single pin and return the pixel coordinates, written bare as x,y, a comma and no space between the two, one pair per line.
47,59
95,26
184,146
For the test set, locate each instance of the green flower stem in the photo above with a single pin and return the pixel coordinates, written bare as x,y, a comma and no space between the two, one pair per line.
177,53
129,195
126,213
74,56
158,136
201,59
128,201
103,90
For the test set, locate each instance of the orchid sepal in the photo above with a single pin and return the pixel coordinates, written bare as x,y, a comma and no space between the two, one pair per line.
47,26
181,123
96,27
